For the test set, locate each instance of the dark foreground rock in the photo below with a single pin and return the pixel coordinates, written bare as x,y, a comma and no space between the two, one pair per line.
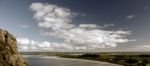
9,55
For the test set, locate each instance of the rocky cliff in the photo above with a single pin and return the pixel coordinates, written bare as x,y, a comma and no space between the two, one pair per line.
9,55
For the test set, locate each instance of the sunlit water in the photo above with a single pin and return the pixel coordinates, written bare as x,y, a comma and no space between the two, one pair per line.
56,61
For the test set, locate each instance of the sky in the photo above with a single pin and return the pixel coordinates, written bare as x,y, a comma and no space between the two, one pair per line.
78,25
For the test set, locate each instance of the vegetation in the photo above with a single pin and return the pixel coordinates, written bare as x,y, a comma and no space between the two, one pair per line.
127,60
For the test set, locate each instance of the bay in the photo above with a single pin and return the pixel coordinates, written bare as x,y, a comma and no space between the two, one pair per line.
57,61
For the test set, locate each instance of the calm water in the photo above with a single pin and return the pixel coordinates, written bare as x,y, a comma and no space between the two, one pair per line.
56,61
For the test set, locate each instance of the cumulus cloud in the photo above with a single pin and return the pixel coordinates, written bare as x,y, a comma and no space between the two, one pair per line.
52,16
58,21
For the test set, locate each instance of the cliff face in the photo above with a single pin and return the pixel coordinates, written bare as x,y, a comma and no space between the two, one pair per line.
9,55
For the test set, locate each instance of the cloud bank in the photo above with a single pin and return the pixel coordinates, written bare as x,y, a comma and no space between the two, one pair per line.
57,21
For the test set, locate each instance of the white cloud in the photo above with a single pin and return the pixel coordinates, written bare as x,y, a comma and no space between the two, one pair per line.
26,44
83,14
83,36
143,46
130,16
139,48
52,16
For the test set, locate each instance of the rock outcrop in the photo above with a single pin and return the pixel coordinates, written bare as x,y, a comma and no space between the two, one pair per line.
9,55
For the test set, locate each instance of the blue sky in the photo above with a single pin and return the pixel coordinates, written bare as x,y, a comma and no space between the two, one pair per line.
63,32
